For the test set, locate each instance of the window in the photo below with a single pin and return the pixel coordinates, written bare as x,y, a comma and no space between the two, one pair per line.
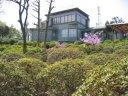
78,18
73,17
83,21
62,19
56,20
66,18
69,18
53,21
72,33
64,33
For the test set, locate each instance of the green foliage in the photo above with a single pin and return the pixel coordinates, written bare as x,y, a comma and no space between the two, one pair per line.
31,66
37,53
121,52
101,58
58,54
107,80
30,43
10,41
107,50
89,49
11,56
51,44
62,78
13,81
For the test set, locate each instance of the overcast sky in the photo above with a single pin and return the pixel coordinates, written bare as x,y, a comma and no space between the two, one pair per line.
108,9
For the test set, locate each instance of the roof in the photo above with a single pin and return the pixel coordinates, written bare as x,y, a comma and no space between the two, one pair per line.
121,27
73,9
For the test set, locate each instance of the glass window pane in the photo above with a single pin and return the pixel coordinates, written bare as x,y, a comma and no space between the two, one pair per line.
66,18
78,18
69,18
72,33
73,17
62,19
57,20
83,21
64,33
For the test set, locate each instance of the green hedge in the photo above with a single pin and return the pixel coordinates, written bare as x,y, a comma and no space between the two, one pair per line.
13,81
10,41
62,78
58,54
107,80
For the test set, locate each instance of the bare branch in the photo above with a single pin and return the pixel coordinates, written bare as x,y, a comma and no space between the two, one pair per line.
36,10
34,16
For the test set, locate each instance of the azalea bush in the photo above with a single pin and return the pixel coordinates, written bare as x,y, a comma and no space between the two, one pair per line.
31,67
57,54
14,81
91,39
62,78
12,56
107,80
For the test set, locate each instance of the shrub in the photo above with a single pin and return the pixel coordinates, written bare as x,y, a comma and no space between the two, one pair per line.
51,44
89,49
107,80
31,66
102,58
30,43
37,53
58,54
121,52
13,41
11,56
10,41
62,78
108,50
2,48
13,81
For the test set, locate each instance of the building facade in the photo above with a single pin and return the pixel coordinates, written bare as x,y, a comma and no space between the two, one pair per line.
67,25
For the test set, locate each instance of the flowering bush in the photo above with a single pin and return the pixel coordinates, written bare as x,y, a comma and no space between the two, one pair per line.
91,39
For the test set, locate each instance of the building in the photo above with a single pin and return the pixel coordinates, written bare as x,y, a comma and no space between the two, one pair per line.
66,25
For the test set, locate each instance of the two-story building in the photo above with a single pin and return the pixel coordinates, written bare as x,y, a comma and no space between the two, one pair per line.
66,25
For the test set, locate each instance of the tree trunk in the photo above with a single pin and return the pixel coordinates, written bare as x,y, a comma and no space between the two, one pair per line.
47,22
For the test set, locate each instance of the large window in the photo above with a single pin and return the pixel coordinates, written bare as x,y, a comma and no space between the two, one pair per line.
69,33
78,18
69,18
56,20
73,17
62,19
66,18
83,21
64,33
72,33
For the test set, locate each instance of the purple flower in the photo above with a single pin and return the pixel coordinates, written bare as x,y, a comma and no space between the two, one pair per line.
91,39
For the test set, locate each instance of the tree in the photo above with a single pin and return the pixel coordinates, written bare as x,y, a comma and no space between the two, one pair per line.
4,30
116,20
23,16
36,8
14,33
47,21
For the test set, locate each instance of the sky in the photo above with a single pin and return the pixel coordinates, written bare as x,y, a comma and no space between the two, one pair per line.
108,10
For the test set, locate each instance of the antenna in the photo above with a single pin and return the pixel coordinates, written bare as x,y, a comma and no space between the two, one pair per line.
98,20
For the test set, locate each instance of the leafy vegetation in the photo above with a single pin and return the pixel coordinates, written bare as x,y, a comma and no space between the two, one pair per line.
78,69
